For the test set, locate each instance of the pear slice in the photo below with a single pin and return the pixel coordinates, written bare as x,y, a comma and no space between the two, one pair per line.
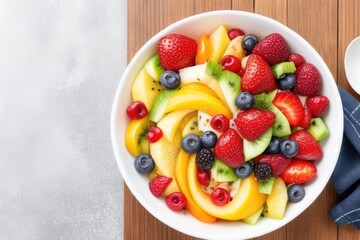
235,48
169,124
219,40
165,153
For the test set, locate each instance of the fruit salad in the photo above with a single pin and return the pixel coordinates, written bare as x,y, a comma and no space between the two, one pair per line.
227,126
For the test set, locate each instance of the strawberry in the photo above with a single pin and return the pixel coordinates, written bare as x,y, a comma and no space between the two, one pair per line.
309,148
317,104
307,118
290,105
254,122
158,185
176,51
229,148
278,162
299,171
258,76
297,59
307,80
273,48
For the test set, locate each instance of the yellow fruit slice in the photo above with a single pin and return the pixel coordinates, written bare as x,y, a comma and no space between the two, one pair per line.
191,99
165,153
277,200
219,41
198,87
170,122
191,126
235,48
181,178
246,202
145,89
135,136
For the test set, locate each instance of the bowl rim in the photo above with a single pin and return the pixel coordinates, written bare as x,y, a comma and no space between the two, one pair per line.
152,41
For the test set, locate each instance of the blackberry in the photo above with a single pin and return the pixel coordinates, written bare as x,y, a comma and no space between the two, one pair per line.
205,158
262,171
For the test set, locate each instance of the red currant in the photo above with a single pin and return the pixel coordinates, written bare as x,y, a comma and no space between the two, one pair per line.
220,196
137,110
231,63
154,134
175,201
220,123
234,32
203,176
297,59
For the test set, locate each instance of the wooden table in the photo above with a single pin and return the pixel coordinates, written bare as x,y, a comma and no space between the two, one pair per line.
329,25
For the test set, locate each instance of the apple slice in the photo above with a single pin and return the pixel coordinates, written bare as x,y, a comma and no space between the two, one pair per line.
277,200
169,124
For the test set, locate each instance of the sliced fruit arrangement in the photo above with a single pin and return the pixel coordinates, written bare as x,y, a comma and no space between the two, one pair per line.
228,126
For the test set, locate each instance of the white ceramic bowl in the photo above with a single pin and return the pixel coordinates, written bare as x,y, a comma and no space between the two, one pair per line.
352,64
204,24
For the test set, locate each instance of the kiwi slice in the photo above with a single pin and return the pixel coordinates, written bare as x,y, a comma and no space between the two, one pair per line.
153,67
264,100
281,127
318,129
283,68
266,186
230,86
213,69
157,111
221,172
255,148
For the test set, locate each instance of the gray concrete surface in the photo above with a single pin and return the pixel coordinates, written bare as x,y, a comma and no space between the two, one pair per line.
60,64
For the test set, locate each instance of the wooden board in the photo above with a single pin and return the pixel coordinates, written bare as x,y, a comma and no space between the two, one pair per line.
329,25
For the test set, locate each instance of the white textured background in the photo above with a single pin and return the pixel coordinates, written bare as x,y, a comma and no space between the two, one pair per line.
60,63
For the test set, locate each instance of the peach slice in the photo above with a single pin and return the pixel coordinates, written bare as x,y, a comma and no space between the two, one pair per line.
181,179
192,99
246,202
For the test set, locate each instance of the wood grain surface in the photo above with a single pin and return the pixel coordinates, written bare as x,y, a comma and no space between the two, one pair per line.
328,25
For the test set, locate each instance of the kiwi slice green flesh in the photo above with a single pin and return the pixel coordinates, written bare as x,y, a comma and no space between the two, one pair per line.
281,127
283,68
254,148
221,172
230,86
157,110
318,129
153,67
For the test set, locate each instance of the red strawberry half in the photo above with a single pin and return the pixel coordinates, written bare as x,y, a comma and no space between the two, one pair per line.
229,148
177,51
278,162
307,80
273,48
307,119
298,171
309,148
158,185
317,104
290,105
254,122
258,76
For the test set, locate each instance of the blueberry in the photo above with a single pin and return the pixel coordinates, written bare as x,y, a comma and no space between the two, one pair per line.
286,81
296,193
274,146
208,139
289,148
249,41
244,100
170,79
144,163
191,143
244,170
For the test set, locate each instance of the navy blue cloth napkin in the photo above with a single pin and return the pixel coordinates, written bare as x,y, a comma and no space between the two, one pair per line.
346,175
